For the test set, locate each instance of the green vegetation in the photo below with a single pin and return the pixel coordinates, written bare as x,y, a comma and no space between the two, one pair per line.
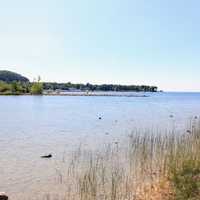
186,180
14,88
103,87
37,87
13,83
4,87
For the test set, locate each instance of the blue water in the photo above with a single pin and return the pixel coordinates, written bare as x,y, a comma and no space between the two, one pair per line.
31,126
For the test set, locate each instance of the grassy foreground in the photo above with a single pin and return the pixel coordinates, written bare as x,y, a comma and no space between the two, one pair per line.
146,166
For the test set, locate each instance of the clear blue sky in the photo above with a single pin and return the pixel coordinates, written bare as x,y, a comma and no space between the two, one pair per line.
154,42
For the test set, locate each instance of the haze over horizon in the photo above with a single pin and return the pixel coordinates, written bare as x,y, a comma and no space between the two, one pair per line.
137,42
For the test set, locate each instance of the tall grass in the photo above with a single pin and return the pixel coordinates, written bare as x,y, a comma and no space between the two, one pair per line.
143,166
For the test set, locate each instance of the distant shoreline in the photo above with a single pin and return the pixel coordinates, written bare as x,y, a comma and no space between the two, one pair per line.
12,83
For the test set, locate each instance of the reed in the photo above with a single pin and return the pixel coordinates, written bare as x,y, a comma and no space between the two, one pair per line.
144,166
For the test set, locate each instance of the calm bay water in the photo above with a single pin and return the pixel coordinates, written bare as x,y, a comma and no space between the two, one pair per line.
31,126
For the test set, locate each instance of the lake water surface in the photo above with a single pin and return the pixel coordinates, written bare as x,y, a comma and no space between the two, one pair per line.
31,126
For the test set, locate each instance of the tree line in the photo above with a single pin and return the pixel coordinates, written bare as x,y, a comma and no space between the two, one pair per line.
18,88
37,87
102,87
14,83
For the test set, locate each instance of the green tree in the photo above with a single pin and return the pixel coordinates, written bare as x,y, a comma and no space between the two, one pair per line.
37,87
14,87
17,87
4,87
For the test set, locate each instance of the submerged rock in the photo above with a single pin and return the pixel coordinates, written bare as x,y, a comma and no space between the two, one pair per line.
3,196
46,156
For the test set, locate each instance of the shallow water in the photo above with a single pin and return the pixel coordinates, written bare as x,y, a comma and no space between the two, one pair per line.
31,126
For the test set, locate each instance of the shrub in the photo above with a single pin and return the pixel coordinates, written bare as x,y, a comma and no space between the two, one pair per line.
37,88
16,87
186,180
4,87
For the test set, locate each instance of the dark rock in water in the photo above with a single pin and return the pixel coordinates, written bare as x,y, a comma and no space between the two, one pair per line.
100,118
116,142
47,156
189,131
3,196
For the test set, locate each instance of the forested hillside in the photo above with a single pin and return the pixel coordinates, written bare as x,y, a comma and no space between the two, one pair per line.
8,76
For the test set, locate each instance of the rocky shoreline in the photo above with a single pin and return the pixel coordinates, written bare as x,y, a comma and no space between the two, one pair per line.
103,94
